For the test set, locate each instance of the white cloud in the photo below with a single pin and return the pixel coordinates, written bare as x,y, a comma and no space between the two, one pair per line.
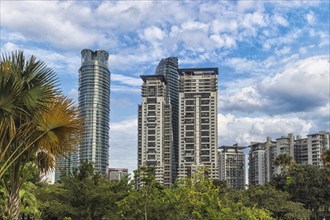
190,25
283,40
244,129
132,81
246,99
223,41
310,17
123,144
57,30
243,5
283,51
152,34
278,19
302,85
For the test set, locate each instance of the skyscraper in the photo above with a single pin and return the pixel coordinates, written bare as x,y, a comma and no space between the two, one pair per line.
198,136
168,67
154,128
94,107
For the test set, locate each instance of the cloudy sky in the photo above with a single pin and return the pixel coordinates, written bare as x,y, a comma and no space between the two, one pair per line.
273,58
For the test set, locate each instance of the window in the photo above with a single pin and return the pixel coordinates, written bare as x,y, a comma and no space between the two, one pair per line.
189,102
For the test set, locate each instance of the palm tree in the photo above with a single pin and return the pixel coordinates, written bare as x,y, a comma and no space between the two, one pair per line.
326,158
284,161
37,123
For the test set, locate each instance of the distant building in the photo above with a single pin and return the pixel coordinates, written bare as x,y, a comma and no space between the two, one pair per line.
303,150
261,162
66,164
116,174
154,129
309,150
198,111
94,107
284,145
232,166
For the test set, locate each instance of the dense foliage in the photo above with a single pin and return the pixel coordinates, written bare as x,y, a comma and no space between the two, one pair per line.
37,124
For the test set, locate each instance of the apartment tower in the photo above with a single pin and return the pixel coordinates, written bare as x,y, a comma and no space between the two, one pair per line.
309,150
168,67
232,166
94,107
154,128
198,140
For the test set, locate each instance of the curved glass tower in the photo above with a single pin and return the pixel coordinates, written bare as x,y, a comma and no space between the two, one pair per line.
94,107
168,67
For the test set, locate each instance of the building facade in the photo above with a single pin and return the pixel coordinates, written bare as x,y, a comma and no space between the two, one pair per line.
198,137
232,166
284,145
154,129
309,150
261,162
116,174
168,67
94,107
66,164
303,150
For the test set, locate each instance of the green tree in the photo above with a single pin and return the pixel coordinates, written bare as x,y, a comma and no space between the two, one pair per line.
36,123
276,201
308,185
148,199
326,157
192,198
284,161
83,195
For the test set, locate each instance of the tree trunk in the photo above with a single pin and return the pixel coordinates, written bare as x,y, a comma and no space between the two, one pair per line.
13,203
12,187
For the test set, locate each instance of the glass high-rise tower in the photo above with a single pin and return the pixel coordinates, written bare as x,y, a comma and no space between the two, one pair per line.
94,107
168,67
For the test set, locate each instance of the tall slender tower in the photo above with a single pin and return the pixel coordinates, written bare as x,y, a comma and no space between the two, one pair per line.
154,129
94,107
198,136
168,67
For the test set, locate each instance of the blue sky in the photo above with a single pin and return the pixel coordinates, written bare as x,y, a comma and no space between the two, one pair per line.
273,58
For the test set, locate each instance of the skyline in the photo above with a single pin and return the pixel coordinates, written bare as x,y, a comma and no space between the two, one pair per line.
273,58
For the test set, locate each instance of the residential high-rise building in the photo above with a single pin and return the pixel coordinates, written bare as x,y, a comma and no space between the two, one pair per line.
261,162
303,150
168,67
116,174
284,145
232,166
94,107
309,150
198,137
154,128
257,164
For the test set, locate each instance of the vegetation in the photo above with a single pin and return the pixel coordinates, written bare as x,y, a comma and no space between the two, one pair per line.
308,185
37,124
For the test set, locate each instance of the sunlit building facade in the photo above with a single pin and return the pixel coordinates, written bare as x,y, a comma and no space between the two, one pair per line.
94,107
198,107
232,166
154,129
